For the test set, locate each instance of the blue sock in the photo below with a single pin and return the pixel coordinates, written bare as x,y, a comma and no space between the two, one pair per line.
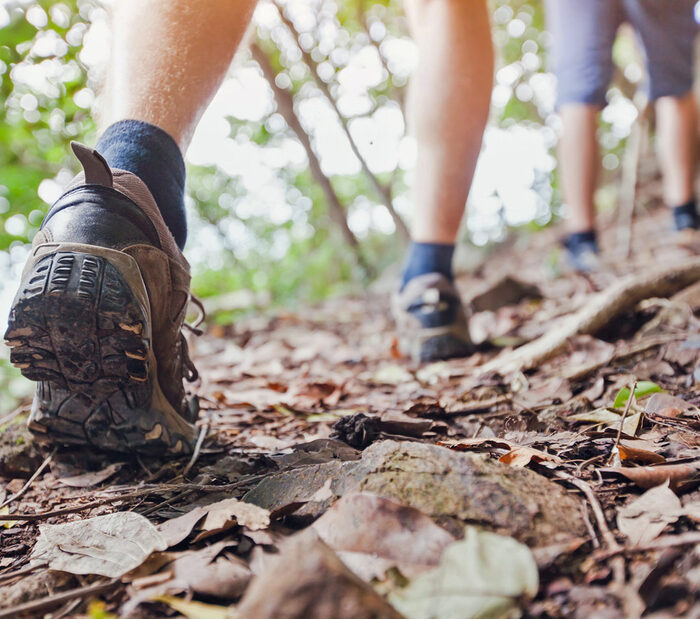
151,154
428,258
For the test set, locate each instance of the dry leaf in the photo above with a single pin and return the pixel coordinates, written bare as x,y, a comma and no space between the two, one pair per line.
483,575
108,545
93,478
638,456
520,457
177,529
372,534
246,515
650,476
646,517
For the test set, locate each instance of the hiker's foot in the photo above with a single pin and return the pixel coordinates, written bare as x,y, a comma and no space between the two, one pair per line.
582,251
98,316
685,217
430,319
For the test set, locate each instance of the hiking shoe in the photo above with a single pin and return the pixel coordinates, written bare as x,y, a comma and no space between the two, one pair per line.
582,252
97,320
686,217
430,319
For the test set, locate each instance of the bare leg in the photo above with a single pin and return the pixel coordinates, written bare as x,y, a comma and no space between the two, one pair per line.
168,59
578,164
448,107
676,129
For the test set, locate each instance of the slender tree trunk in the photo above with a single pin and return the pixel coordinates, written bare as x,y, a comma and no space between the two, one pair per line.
285,106
382,190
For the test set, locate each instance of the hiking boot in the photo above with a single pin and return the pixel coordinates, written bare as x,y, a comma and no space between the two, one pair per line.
430,319
97,320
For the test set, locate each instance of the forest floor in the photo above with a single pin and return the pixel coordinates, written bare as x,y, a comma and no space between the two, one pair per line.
337,480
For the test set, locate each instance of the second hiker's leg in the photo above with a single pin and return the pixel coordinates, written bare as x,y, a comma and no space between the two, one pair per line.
582,38
667,31
449,102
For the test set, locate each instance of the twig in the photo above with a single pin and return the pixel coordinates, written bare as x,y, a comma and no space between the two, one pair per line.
21,572
601,521
134,495
285,106
197,449
35,606
382,190
624,416
667,541
30,481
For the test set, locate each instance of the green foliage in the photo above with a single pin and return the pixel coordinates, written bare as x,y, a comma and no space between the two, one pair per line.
643,388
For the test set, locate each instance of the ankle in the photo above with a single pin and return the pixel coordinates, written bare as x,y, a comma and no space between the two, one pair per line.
424,258
151,154
686,216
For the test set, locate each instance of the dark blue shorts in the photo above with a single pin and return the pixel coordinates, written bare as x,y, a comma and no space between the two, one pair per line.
583,33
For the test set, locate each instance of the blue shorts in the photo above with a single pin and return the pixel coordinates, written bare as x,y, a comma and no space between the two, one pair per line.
583,33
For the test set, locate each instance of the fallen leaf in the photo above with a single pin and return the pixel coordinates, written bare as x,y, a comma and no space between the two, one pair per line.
7,523
638,456
195,610
646,517
206,573
246,515
177,529
520,457
483,575
85,480
611,419
372,534
641,389
393,374
108,545
650,476
660,401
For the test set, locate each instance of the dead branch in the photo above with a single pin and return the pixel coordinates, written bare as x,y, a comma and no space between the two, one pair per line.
285,106
603,307
382,190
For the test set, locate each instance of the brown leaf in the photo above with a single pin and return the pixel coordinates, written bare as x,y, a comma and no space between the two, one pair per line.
246,515
639,456
646,517
650,476
371,534
205,572
177,529
85,480
660,401
520,457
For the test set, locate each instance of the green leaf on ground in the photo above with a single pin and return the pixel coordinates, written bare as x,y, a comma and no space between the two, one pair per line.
643,388
483,575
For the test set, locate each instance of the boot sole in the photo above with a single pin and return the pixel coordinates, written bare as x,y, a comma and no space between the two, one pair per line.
82,332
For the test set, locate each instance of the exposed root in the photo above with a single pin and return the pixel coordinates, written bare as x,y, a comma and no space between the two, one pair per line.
599,311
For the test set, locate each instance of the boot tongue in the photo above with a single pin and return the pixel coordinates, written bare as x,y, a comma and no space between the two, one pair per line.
97,170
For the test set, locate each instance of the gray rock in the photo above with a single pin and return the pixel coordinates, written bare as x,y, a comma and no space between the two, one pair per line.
452,487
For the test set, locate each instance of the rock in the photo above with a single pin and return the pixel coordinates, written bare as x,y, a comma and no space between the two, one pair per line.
472,489
455,488
308,581
19,455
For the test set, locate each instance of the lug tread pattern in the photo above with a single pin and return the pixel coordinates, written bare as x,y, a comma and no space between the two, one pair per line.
77,329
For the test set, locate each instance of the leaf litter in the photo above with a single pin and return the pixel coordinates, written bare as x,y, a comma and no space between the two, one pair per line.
335,471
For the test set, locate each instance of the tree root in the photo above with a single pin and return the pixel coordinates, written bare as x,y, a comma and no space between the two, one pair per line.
603,308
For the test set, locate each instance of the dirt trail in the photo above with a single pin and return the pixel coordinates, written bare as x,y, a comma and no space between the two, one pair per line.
391,479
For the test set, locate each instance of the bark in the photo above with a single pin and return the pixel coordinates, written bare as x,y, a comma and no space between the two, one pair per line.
285,106
382,190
